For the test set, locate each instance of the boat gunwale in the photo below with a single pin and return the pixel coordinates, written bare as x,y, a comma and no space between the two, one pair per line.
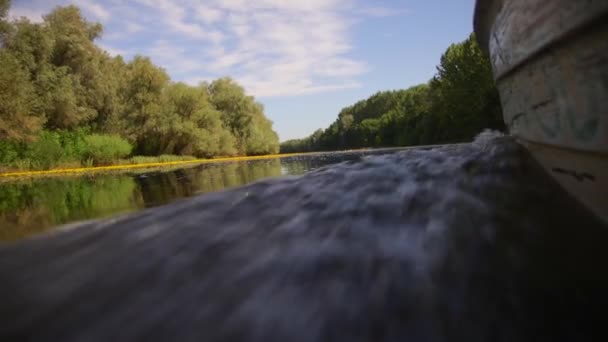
483,21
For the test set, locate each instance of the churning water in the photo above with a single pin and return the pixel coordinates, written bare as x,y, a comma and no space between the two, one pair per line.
31,206
460,243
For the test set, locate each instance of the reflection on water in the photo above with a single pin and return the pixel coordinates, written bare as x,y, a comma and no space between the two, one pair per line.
33,206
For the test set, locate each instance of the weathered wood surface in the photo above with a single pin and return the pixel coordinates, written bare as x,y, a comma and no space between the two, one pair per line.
562,98
550,59
550,62
467,243
515,31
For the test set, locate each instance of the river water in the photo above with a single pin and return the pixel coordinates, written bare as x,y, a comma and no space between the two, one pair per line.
473,242
32,206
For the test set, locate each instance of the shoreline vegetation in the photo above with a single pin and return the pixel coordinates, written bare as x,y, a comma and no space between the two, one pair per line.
25,166
142,163
66,102
168,163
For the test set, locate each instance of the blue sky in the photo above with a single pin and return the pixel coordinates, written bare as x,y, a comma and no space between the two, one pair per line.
303,59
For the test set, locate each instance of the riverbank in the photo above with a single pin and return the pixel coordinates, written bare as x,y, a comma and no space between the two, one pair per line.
93,169
140,163
32,205
477,233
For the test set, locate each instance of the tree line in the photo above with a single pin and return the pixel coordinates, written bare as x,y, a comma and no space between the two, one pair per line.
456,104
63,98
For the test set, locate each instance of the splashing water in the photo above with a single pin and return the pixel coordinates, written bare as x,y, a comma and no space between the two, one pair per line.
460,243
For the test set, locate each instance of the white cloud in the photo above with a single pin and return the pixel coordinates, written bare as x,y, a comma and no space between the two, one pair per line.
98,11
273,47
382,12
35,9
208,15
288,47
172,58
132,27
174,14
34,15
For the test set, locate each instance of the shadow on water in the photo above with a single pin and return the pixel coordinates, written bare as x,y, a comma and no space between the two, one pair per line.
33,206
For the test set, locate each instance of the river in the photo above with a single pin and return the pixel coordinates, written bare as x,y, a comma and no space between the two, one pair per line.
471,242
32,206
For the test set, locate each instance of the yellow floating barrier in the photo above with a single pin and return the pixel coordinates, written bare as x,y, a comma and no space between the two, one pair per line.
145,165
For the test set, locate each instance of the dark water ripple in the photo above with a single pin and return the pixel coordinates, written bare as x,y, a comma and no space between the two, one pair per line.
467,243
30,207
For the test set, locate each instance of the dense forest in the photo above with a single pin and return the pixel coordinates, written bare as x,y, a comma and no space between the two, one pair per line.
456,104
65,100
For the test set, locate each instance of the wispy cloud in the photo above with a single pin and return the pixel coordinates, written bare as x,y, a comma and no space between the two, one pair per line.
382,12
132,27
173,58
177,16
34,15
97,10
208,15
273,47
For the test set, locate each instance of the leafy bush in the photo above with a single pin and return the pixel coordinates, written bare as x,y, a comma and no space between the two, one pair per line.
46,151
74,144
22,164
103,149
9,152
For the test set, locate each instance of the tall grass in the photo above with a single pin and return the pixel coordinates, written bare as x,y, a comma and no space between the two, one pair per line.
73,149
63,149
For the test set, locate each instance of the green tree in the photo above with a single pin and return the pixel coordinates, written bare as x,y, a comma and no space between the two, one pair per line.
60,90
142,95
464,97
4,25
109,101
237,109
62,94
17,119
459,102
197,127
244,117
73,37
74,50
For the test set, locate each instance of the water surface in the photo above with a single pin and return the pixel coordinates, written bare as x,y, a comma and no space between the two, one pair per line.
32,206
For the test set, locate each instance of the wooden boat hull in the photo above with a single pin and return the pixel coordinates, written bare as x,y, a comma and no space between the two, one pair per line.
550,62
